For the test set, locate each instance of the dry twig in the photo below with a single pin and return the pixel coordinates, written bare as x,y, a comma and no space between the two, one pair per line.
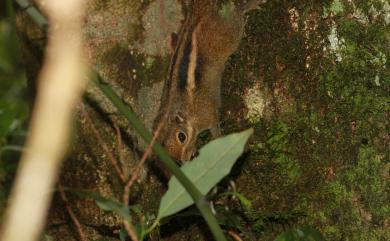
71,214
120,145
234,235
134,177
128,226
103,144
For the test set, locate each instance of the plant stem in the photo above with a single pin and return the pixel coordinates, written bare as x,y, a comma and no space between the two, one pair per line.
153,226
34,13
195,194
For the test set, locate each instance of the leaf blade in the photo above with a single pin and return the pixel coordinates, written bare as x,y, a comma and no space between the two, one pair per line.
213,163
106,204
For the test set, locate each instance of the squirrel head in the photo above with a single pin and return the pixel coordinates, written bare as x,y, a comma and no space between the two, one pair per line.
179,135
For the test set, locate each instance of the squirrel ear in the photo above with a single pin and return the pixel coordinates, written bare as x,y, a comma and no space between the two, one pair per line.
173,41
179,118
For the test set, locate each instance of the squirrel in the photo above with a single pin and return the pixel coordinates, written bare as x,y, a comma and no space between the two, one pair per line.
191,96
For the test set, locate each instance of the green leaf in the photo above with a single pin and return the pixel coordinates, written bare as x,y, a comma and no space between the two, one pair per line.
301,234
114,206
106,204
243,200
122,234
213,163
12,115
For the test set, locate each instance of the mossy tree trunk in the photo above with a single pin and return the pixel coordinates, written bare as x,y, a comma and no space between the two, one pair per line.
311,78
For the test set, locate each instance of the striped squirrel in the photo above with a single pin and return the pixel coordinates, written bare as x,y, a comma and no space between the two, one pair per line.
191,96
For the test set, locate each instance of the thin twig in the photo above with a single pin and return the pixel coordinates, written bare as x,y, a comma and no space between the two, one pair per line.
128,113
126,192
130,230
194,192
128,226
105,147
120,146
72,215
234,235
137,169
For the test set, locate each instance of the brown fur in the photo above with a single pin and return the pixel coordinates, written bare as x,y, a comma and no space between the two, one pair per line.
194,110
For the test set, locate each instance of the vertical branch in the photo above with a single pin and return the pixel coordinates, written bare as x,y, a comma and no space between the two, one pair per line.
61,82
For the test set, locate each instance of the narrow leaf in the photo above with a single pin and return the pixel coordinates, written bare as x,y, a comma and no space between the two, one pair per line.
122,234
213,163
106,204
111,205
243,200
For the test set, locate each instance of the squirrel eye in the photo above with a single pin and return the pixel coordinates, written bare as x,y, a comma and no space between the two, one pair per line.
181,136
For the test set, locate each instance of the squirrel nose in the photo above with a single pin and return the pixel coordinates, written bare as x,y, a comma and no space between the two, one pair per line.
180,162
188,156
194,154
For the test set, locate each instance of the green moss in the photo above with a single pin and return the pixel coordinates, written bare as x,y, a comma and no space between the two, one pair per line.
320,154
326,154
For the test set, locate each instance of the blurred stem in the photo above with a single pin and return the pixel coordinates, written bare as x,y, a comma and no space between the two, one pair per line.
11,148
195,194
62,79
9,12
